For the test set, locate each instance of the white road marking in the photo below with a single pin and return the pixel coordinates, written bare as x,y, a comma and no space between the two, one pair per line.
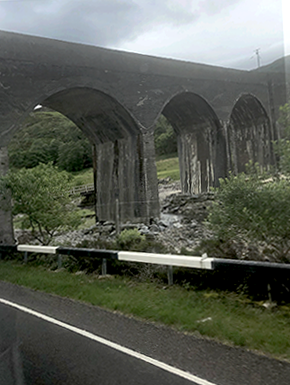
110,344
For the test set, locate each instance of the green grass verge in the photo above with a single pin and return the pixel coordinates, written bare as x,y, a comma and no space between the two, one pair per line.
234,319
168,168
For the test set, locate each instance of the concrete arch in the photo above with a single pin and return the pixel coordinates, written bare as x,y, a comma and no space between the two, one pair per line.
250,136
201,142
98,114
118,151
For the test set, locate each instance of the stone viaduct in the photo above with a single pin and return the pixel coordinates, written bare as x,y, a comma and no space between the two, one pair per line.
222,117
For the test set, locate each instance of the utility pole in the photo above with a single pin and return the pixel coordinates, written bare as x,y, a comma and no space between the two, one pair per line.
257,52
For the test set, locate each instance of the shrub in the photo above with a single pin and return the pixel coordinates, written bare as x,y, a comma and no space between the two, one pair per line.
130,239
252,209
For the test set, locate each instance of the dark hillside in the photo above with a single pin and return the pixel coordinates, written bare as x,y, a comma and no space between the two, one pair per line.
278,66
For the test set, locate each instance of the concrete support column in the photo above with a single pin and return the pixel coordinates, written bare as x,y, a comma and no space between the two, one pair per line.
150,175
106,191
196,160
222,156
251,142
190,175
6,229
202,158
125,175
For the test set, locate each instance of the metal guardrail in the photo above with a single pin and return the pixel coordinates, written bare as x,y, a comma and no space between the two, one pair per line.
249,265
170,260
167,259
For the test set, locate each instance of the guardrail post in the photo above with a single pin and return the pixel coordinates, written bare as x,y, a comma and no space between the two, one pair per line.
104,266
59,261
170,275
25,256
269,292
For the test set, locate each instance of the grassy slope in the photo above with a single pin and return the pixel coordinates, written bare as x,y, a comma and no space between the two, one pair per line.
165,168
168,168
233,320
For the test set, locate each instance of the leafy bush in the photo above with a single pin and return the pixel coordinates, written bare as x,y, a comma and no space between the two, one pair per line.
252,209
130,239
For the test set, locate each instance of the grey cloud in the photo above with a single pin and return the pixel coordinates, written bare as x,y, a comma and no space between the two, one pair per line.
212,7
113,23
95,22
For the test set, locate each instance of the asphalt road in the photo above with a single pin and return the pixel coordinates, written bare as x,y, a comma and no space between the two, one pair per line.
56,353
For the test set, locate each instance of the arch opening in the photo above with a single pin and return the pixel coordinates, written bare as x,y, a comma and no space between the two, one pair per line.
249,133
200,142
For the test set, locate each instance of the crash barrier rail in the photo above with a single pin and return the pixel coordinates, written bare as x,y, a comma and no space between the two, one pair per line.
169,260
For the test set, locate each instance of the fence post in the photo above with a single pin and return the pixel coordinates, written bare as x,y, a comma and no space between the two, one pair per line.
170,275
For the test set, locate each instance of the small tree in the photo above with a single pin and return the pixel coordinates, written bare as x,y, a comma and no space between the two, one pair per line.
41,195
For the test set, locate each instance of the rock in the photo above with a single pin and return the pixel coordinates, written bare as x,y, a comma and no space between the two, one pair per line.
144,230
129,226
154,228
109,223
165,180
150,236
162,224
193,224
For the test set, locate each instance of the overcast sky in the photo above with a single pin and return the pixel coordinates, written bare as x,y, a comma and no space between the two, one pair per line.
218,32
